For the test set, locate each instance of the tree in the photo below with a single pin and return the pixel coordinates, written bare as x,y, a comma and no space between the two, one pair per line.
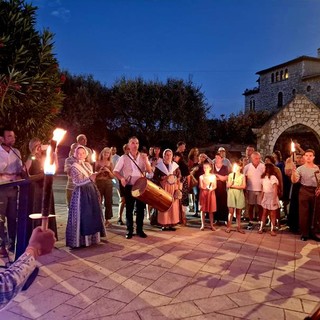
30,81
159,112
85,109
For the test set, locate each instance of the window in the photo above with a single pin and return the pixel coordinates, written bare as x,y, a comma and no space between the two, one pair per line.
294,92
308,88
281,75
277,76
280,99
272,77
286,74
252,104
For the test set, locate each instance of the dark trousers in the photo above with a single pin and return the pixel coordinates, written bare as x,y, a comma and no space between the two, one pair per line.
8,209
306,207
140,206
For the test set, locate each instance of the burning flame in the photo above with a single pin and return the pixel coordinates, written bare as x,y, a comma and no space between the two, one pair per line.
93,156
234,168
211,178
49,168
293,147
58,135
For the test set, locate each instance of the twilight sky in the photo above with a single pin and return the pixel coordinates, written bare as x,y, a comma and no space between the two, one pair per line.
219,44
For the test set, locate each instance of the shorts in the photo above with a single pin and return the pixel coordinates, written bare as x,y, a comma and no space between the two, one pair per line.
254,197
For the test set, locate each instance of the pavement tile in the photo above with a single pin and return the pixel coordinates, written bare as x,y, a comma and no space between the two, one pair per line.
254,296
293,315
216,303
100,309
192,292
292,289
87,297
151,272
198,255
257,311
216,266
211,316
73,285
40,304
173,311
63,312
187,267
129,289
287,303
205,279
169,284
146,300
255,282
309,306
7,315
167,260
225,287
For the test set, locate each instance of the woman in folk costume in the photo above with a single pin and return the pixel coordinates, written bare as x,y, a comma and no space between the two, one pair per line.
85,218
167,174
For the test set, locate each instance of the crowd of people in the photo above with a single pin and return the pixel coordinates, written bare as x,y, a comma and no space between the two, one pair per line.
260,192
212,188
250,189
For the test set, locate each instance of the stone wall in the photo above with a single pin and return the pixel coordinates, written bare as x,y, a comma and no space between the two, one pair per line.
299,111
266,98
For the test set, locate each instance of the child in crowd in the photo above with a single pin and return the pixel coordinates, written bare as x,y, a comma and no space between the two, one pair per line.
270,200
207,185
236,201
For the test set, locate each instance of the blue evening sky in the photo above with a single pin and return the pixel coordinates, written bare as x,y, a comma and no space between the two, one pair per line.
219,44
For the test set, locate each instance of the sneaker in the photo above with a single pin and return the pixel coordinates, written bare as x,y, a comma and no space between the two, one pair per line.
250,226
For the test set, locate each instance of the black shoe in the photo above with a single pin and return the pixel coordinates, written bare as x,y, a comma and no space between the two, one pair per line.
196,215
141,234
250,226
172,229
129,235
163,229
120,222
303,238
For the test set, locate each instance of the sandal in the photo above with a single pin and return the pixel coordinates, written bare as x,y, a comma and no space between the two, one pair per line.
273,233
228,230
240,230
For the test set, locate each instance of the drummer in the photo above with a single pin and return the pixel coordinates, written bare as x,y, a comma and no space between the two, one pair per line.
167,174
129,168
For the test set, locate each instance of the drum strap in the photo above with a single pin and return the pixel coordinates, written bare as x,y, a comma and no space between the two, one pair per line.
136,165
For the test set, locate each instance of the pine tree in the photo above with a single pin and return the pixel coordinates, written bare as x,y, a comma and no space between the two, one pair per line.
30,81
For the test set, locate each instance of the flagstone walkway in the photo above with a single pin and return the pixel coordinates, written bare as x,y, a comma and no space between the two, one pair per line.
186,274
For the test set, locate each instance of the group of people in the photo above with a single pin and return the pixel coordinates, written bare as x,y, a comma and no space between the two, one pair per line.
217,190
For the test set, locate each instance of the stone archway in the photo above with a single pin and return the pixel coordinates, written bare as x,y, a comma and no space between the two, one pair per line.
300,111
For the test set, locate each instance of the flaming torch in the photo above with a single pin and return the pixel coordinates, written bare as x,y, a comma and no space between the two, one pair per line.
293,151
234,170
93,160
211,179
49,171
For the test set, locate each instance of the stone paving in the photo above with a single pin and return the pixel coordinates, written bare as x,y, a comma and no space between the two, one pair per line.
186,274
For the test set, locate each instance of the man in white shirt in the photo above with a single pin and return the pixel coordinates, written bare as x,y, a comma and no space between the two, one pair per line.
10,170
129,168
253,172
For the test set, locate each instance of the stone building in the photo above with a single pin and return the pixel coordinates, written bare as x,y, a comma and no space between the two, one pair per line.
291,90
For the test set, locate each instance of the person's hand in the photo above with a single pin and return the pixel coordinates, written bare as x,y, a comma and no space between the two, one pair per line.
123,182
93,177
41,242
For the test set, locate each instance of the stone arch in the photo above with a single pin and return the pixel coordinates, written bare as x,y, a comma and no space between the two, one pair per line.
300,111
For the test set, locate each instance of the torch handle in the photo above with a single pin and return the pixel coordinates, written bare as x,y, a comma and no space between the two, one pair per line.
44,223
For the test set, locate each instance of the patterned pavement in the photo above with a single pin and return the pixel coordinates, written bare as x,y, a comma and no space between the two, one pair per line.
186,274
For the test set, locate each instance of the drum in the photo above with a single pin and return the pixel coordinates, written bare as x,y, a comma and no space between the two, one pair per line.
151,194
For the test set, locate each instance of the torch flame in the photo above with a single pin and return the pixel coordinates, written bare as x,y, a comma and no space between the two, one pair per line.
211,178
93,156
235,168
58,135
49,168
293,147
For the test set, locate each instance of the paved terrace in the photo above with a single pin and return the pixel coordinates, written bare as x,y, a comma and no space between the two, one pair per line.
187,274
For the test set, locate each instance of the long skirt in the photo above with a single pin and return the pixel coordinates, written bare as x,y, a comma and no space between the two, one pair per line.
85,219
